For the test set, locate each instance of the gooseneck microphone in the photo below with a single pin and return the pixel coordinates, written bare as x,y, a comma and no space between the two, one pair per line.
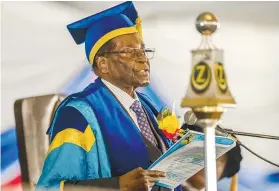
191,119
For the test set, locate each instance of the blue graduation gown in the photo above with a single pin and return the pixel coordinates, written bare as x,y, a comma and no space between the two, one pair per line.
92,136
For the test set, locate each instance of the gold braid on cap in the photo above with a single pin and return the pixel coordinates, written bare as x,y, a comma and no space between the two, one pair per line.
139,26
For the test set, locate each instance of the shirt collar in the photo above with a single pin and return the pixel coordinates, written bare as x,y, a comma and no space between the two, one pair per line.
125,99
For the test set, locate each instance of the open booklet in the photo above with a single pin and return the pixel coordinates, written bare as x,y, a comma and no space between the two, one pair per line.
186,157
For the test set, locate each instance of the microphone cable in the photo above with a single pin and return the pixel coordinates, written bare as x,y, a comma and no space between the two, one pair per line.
191,119
245,147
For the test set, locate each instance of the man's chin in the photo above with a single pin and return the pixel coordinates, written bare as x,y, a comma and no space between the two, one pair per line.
143,83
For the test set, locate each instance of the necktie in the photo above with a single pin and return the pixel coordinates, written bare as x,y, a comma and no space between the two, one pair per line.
143,122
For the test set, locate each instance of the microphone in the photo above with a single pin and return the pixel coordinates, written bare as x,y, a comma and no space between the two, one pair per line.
191,119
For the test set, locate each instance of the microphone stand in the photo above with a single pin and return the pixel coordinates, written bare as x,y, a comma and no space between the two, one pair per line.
230,131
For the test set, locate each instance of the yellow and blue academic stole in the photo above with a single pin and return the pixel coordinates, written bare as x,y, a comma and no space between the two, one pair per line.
77,150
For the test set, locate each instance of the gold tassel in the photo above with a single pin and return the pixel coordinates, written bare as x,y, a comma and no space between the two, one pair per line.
234,183
139,26
62,185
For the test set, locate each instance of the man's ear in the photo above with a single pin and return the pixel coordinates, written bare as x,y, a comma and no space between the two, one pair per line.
102,64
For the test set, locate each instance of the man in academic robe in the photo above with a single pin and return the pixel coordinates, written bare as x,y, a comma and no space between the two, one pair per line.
107,135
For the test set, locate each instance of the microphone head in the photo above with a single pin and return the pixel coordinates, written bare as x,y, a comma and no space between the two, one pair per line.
190,118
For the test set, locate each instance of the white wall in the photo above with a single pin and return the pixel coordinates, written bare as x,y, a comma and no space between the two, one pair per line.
38,53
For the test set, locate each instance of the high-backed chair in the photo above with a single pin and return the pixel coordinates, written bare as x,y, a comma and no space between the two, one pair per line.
33,116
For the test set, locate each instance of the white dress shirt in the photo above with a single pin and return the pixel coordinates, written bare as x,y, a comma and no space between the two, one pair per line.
125,99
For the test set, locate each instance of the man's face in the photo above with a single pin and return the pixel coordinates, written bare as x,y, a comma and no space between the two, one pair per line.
126,70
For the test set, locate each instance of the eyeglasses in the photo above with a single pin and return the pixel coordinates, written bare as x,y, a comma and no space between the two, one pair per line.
134,53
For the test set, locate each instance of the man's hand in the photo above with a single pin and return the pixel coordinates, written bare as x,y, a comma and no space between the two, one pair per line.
140,179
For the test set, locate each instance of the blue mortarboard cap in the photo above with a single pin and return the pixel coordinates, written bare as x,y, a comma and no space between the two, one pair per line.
98,29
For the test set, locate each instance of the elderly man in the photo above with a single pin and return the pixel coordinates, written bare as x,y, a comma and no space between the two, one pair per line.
107,135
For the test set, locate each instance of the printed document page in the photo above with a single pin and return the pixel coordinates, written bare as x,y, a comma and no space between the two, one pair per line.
186,157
